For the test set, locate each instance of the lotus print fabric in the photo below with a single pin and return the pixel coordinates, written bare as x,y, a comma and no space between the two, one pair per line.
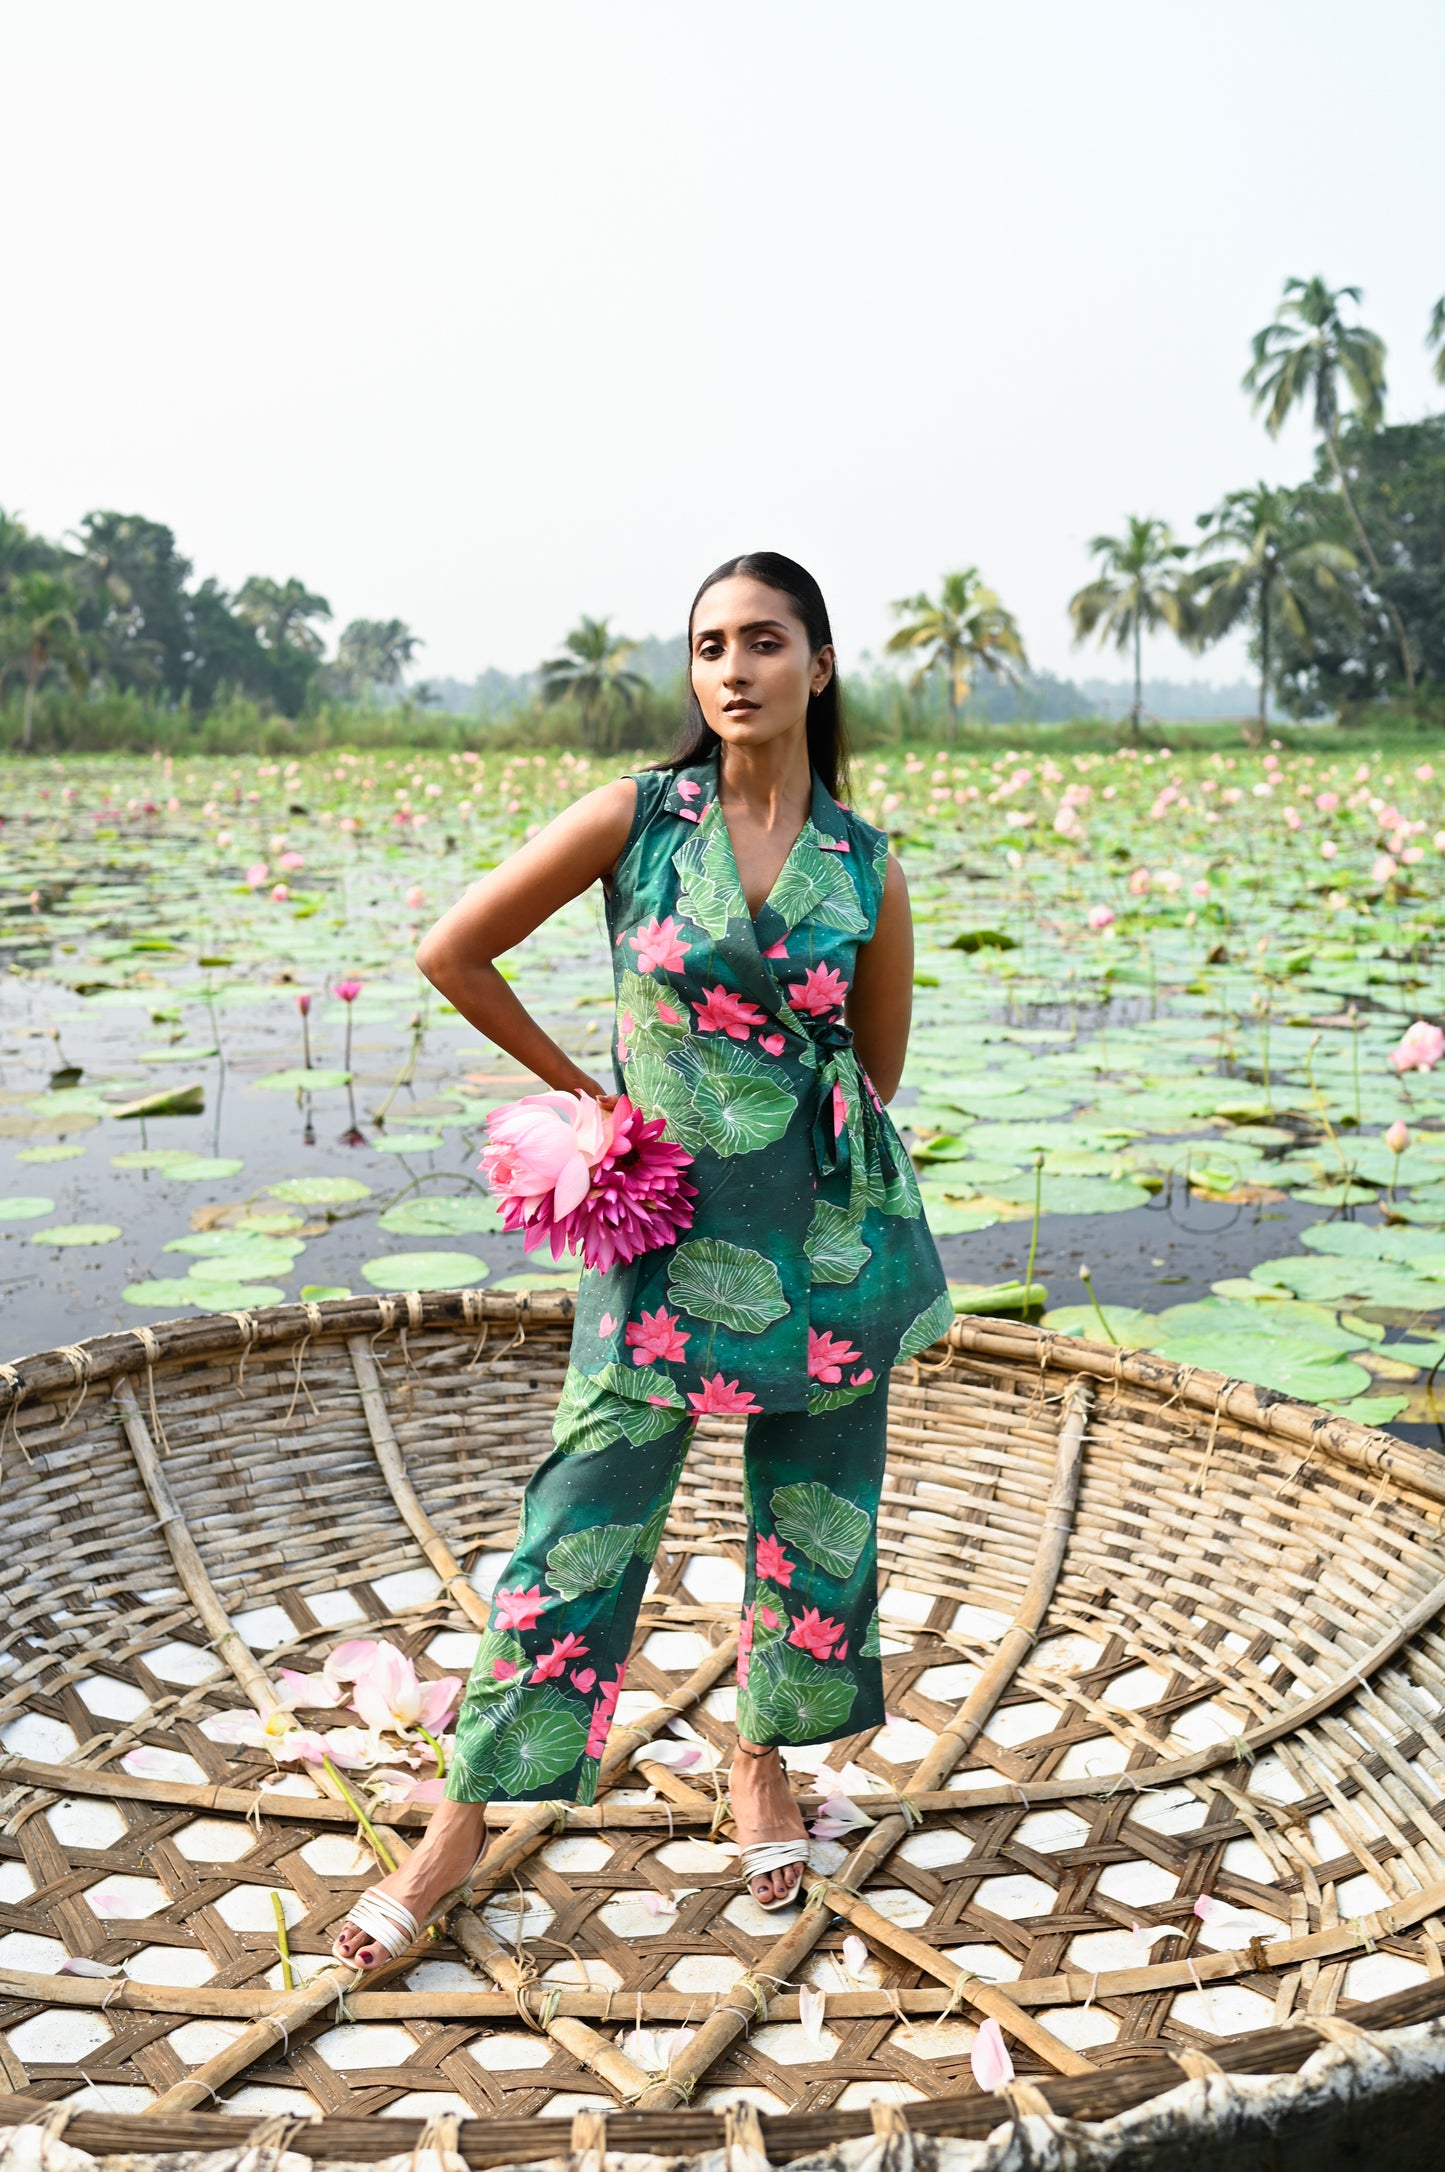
808,1272
548,1672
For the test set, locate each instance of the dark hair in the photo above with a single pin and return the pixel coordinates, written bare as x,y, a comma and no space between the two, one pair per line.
827,735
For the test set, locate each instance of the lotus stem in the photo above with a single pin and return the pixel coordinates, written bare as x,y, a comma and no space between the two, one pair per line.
283,1943
436,1749
1088,1281
1034,1232
384,1854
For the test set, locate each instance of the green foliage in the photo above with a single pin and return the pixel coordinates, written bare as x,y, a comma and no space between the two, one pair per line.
962,631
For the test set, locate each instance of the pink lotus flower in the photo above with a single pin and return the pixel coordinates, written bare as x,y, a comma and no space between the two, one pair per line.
583,1678
348,990
1424,773
724,1398
821,989
773,1563
544,1147
1420,1048
405,1787
686,789
668,1015
827,1355
564,1651
388,1692
519,1609
1327,801
656,1337
722,1012
280,894
503,1669
812,1633
1384,868
1101,917
774,1043
303,1004
607,1326
256,874
1139,882
602,1713
415,898
1397,1138
657,946
316,1692
291,861
627,1196
992,2067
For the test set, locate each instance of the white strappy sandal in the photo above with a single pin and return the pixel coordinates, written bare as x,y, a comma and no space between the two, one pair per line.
773,1855
388,1923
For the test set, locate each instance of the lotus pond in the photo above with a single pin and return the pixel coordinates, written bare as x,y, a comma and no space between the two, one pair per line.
1162,989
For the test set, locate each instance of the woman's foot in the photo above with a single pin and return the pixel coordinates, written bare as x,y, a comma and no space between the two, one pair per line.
444,1861
765,1808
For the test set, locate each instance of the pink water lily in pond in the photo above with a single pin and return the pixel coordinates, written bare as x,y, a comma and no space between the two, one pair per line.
387,1691
256,874
1420,1048
348,990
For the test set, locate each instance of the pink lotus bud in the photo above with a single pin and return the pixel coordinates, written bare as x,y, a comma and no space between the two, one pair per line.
1101,917
1397,1138
280,894
303,1004
1139,882
1383,868
348,990
415,898
223,840
256,874
1424,773
1328,849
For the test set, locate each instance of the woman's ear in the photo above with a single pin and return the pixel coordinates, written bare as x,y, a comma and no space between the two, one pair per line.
823,667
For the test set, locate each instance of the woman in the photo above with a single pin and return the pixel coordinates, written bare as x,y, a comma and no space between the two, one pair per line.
763,951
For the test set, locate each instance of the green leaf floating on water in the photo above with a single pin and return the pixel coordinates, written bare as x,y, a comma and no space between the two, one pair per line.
228,1243
829,1530
591,1560
50,1153
68,1233
202,1169
152,1157
728,1283
320,1191
467,1217
250,1262
407,1142
425,1271
25,1209
316,1293
301,1080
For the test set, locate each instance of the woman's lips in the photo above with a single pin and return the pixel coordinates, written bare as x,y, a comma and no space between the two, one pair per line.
740,708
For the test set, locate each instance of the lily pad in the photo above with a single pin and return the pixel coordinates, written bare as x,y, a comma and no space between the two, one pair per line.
407,1142
321,1191
303,1081
151,1157
466,1217
317,1293
22,1209
202,1169
49,1153
77,1233
425,1271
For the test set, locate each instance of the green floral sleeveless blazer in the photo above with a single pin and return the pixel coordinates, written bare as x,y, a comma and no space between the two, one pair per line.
809,1269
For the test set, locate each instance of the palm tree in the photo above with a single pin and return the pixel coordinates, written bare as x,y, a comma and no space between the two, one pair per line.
1302,356
965,630
1138,588
281,613
374,652
1265,558
592,671
1435,337
40,633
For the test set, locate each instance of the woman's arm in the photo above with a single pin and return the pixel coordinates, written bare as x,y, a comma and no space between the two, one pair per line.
880,1003
580,847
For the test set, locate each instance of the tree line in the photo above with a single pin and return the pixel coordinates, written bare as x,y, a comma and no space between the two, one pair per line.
1339,583
116,606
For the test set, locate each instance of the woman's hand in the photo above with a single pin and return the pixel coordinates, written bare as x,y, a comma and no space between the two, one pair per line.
580,847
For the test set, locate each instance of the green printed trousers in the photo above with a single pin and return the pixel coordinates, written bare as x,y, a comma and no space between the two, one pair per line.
546,1678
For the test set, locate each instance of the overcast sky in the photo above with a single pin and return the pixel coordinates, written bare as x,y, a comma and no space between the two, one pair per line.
486,315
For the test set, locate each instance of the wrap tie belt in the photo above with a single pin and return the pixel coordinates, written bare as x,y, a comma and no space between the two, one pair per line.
850,1134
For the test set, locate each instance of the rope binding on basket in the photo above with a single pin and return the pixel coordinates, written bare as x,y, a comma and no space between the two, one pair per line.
146,1338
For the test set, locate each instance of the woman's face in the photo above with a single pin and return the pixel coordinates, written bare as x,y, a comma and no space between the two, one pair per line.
752,668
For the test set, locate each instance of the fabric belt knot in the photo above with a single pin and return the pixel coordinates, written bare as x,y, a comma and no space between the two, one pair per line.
846,1112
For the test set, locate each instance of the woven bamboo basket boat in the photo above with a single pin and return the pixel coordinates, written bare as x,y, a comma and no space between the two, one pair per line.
1162,1787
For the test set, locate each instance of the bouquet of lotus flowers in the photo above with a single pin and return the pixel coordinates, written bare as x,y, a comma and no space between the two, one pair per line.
606,1185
